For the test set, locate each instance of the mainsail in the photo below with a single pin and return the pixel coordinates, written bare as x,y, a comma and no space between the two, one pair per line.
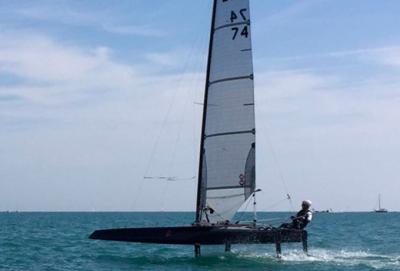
227,155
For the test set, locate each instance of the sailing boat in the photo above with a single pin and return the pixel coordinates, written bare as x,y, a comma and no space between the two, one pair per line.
380,209
226,177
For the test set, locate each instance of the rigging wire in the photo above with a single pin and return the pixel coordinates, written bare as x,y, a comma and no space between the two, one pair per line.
282,178
277,203
282,219
180,123
169,178
192,76
155,146
194,79
243,212
201,74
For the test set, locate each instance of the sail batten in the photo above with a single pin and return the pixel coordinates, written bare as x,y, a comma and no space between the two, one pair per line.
227,158
232,24
227,187
232,79
231,133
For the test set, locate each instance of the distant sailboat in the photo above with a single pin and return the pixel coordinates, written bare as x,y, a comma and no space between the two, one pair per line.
226,177
380,209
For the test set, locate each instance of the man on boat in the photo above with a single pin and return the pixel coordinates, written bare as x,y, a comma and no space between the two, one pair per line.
302,218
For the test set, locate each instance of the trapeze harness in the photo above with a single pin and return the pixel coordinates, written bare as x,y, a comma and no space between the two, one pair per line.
300,221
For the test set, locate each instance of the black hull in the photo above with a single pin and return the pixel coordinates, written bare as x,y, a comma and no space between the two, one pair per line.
202,235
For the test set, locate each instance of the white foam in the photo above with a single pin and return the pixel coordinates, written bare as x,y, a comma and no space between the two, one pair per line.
339,257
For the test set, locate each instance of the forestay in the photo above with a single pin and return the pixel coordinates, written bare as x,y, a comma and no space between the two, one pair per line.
227,169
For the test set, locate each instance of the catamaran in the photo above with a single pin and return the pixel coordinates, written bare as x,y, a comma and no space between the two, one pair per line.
227,175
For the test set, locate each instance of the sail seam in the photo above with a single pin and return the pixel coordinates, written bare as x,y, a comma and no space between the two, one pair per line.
232,24
227,197
252,131
251,76
228,187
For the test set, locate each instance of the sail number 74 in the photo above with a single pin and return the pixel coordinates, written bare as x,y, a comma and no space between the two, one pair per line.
244,32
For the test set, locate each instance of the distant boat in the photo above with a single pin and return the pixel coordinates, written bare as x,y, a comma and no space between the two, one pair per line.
226,178
380,209
324,211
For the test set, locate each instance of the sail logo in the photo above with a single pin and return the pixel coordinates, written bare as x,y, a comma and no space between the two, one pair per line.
242,179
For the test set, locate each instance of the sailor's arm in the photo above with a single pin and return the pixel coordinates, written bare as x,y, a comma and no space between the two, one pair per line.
297,216
307,216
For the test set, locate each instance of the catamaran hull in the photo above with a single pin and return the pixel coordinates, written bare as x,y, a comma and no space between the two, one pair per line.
201,235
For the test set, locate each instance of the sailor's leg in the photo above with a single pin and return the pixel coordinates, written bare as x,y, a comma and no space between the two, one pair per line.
304,241
196,250
227,247
278,244
278,249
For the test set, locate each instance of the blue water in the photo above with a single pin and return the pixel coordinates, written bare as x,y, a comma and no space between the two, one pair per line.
58,241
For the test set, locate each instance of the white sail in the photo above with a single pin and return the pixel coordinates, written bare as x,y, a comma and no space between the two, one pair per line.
228,166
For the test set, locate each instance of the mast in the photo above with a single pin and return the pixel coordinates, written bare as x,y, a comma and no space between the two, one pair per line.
379,201
203,126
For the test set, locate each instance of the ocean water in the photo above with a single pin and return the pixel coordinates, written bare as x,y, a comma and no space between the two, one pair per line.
59,241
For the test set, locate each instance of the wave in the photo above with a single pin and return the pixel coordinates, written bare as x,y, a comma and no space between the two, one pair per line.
249,257
334,257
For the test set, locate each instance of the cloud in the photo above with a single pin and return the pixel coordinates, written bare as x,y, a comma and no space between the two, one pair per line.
164,59
180,60
289,13
137,30
94,19
286,84
170,59
62,82
308,96
73,111
337,136
45,68
387,55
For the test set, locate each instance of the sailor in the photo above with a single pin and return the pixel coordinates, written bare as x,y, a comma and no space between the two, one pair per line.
302,218
207,210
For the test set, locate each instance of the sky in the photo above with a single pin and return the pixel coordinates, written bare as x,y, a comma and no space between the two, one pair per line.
96,96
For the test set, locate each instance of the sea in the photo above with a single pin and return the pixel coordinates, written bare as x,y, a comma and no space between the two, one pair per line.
59,241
